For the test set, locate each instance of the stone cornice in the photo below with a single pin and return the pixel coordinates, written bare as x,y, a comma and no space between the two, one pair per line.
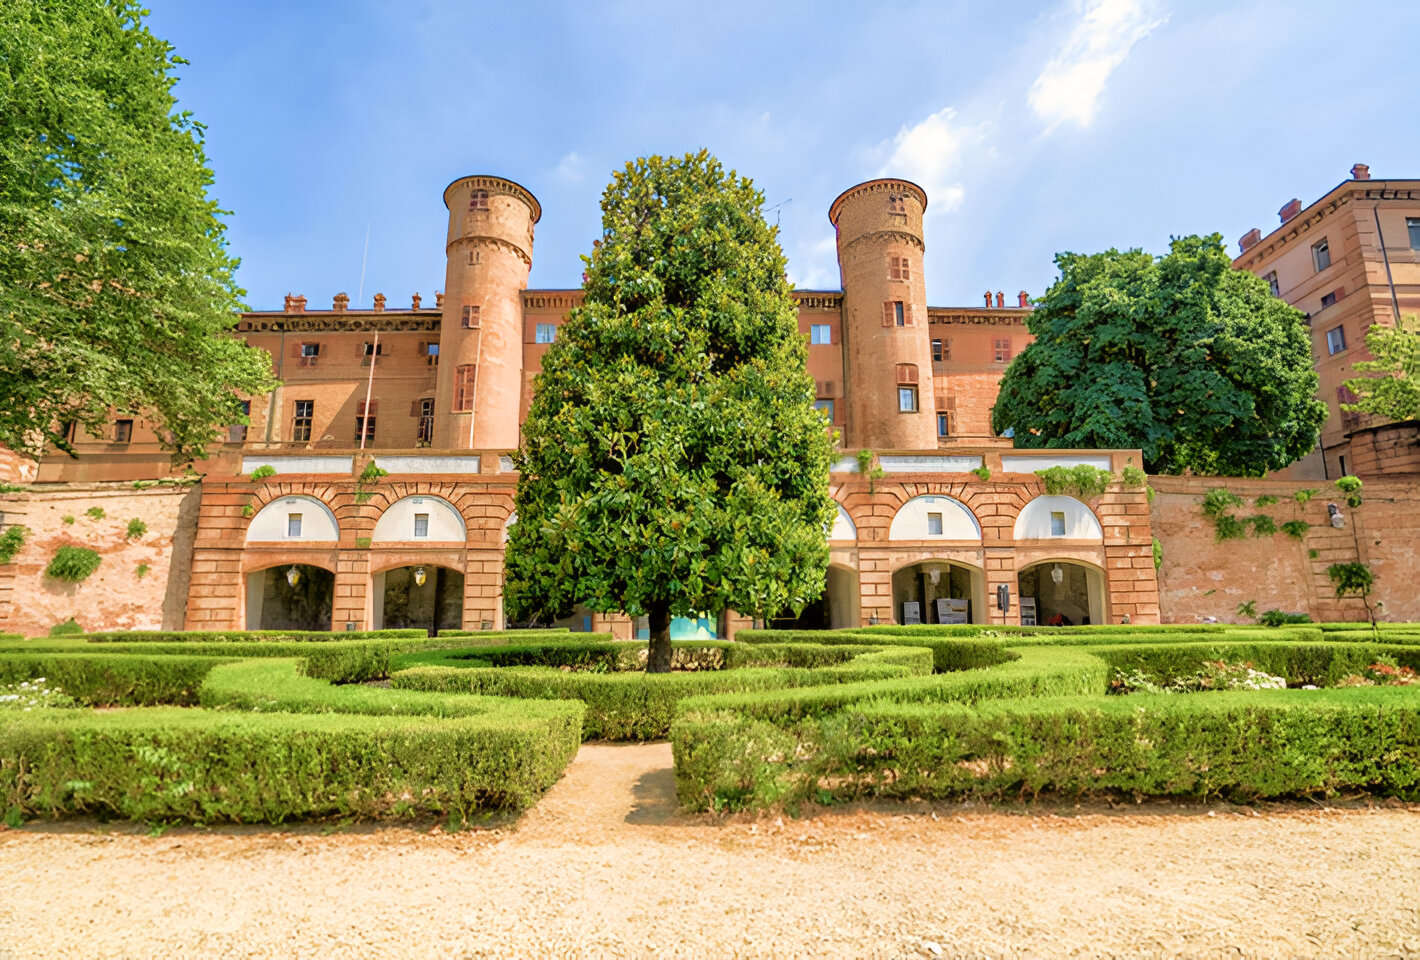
499,185
888,236
487,240
333,321
552,299
818,299
1349,191
884,185
998,316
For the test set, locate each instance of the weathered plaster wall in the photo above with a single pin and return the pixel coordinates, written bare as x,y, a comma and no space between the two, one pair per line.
1202,578
114,596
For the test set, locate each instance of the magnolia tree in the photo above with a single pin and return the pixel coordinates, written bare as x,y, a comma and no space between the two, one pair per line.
116,289
1193,362
672,461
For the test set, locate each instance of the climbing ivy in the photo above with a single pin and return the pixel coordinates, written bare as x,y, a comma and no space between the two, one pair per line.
73,564
11,541
1084,481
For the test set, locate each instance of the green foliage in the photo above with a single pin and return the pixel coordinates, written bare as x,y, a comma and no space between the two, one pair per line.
248,509
1083,480
185,480
362,543
262,472
1395,352
1351,579
1193,362
1303,497
67,519
1281,618
141,570
1219,500
1313,554
1158,553
136,529
1265,500
983,473
116,288
672,461
1248,609
73,564
372,473
113,679
1351,487
1262,525
11,541
13,488
1133,476
1296,529
68,628
96,513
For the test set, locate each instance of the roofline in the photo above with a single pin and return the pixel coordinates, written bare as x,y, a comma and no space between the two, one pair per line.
1307,210
833,207
536,206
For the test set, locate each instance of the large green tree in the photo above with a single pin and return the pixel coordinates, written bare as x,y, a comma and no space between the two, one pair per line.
1395,394
1195,363
672,461
116,290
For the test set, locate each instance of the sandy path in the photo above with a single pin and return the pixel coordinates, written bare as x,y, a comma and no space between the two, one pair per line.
602,867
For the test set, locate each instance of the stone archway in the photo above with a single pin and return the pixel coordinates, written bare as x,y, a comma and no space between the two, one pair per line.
418,596
835,609
1065,593
293,596
944,591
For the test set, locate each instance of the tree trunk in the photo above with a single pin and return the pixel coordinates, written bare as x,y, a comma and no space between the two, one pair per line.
658,658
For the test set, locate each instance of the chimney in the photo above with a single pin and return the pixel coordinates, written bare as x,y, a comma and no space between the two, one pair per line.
1290,209
1359,171
414,302
379,302
438,299
295,304
1249,240
1000,299
341,301
988,299
1022,299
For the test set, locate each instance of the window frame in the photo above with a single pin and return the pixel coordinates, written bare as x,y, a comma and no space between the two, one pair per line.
944,423
1060,516
469,317
1331,349
824,405
366,425
299,421
541,329
937,351
293,526
907,392
826,329
1001,349
934,519
1412,227
424,517
465,377
1321,249
123,430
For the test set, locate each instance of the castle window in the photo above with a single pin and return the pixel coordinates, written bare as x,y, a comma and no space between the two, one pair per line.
907,399
944,424
1327,299
896,314
310,351
1335,340
1057,523
421,524
431,354
1001,346
371,349
463,387
936,351
474,258
546,333
470,317
898,269
365,421
897,205
1412,226
825,407
425,411
907,373
1321,255
122,431
934,524
293,524
478,200
820,333
301,420
1272,285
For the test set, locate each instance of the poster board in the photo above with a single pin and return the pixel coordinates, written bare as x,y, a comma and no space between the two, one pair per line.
911,612
951,610
1028,612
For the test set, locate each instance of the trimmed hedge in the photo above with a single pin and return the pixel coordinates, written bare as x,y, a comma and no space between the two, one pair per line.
107,679
205,766
632,705
249,636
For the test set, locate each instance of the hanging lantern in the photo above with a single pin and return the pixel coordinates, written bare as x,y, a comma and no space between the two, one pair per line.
293,576
1057,574
419,576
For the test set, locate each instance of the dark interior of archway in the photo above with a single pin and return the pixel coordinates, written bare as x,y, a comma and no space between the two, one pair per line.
306,605
916,584
436,605
1062,604
816,615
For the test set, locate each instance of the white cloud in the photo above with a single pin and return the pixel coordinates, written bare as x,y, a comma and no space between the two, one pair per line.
817,266
571,168
1069,87
932,154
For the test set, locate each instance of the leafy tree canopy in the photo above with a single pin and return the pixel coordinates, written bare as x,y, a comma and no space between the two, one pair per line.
116,289
1182,356
672,461
1394,394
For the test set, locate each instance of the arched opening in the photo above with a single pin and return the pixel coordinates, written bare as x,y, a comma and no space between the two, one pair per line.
939,591
420,518
419,596
294,596
1061,593
294,518
934,517
835,609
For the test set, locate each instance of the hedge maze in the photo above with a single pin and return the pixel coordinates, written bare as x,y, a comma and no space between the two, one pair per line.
269,727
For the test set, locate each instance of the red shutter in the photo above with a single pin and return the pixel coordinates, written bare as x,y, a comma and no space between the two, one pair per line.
906,269
906,373
414,408
887,314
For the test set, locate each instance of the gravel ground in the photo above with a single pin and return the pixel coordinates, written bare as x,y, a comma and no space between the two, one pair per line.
603,867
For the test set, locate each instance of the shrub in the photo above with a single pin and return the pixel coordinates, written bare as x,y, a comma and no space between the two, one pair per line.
69,628
35,694
262,472
73,564
1083,481
111,679
11,541
136,529
1280,618
96,513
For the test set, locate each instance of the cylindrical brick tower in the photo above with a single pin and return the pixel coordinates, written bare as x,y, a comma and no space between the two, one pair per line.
887,350
489,254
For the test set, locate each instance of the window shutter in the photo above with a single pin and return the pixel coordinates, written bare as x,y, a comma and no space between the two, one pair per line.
296,350
893,273
414,408
887,314
906,373
906,269
371,409
907,314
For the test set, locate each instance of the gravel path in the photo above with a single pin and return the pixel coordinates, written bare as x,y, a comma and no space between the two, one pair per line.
603,867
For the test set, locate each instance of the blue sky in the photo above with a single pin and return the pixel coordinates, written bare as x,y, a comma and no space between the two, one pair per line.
1035,127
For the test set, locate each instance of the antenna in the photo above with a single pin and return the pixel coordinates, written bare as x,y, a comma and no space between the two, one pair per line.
776,207
364,258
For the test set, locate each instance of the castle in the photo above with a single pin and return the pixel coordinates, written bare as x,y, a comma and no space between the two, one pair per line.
945,522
